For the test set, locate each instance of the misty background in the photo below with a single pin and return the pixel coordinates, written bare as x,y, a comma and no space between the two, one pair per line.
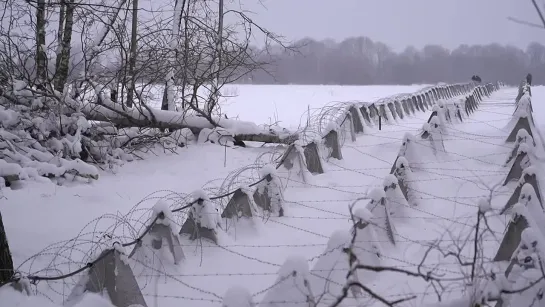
401,41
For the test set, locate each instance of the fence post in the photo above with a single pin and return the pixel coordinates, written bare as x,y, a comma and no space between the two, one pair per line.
6,263
379,122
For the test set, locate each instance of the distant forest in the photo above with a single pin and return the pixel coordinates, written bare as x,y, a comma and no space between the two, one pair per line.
362,61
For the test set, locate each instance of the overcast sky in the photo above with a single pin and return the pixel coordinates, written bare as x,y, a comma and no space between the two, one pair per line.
400,23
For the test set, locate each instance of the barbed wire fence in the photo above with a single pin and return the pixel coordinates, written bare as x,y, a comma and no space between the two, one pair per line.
328,130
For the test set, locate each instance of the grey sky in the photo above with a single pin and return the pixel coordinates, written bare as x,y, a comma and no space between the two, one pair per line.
400,23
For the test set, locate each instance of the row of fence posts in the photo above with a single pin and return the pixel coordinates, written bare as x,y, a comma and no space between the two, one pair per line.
522,240
111,272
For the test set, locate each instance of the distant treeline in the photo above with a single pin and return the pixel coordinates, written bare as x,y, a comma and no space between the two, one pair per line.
361,61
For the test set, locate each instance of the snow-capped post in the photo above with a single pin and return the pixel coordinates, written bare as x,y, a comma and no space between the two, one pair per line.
356,119
434,112
415,104
522,123
458,112
292,286
110,275
331,142
522,161
421,104
379,122
241,204
6,262
351,128
373,112
313,159
163,230
466,105
237,297
268,193
398,109
410,105
366,117
523,137
527,212
203,220
392,110
380,208
528,177
405,179
394,195
383,113
332,267
525,271
432,131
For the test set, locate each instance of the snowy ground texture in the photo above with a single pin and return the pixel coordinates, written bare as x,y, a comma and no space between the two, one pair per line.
259,254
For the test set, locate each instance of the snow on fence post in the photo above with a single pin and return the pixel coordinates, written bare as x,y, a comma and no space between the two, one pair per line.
380,208
268,194
351,127
373,113
421,104
111,276
405,107
528,202
365,114
383,112
292,285
203,220
392,110
522,161
237,296
162,230
398,109
356,119
523,137
415,104
331,141
312,158
458,112
6,262
528,177
522,124
404,176
241,205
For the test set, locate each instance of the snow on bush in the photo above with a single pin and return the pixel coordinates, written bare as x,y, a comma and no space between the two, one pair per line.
204,211
182,136
292,287
237,297
217,135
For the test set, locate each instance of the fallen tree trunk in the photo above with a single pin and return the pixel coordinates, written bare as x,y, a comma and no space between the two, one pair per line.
163,119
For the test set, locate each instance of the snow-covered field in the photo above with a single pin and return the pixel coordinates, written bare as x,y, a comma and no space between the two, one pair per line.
447,186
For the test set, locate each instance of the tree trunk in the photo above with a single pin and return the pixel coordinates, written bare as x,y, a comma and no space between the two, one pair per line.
41,57
6,263
63,62
132,57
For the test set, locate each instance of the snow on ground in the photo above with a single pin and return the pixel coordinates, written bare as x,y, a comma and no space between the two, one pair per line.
448,186
289,104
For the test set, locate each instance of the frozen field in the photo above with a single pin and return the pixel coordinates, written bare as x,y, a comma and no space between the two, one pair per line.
447,186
